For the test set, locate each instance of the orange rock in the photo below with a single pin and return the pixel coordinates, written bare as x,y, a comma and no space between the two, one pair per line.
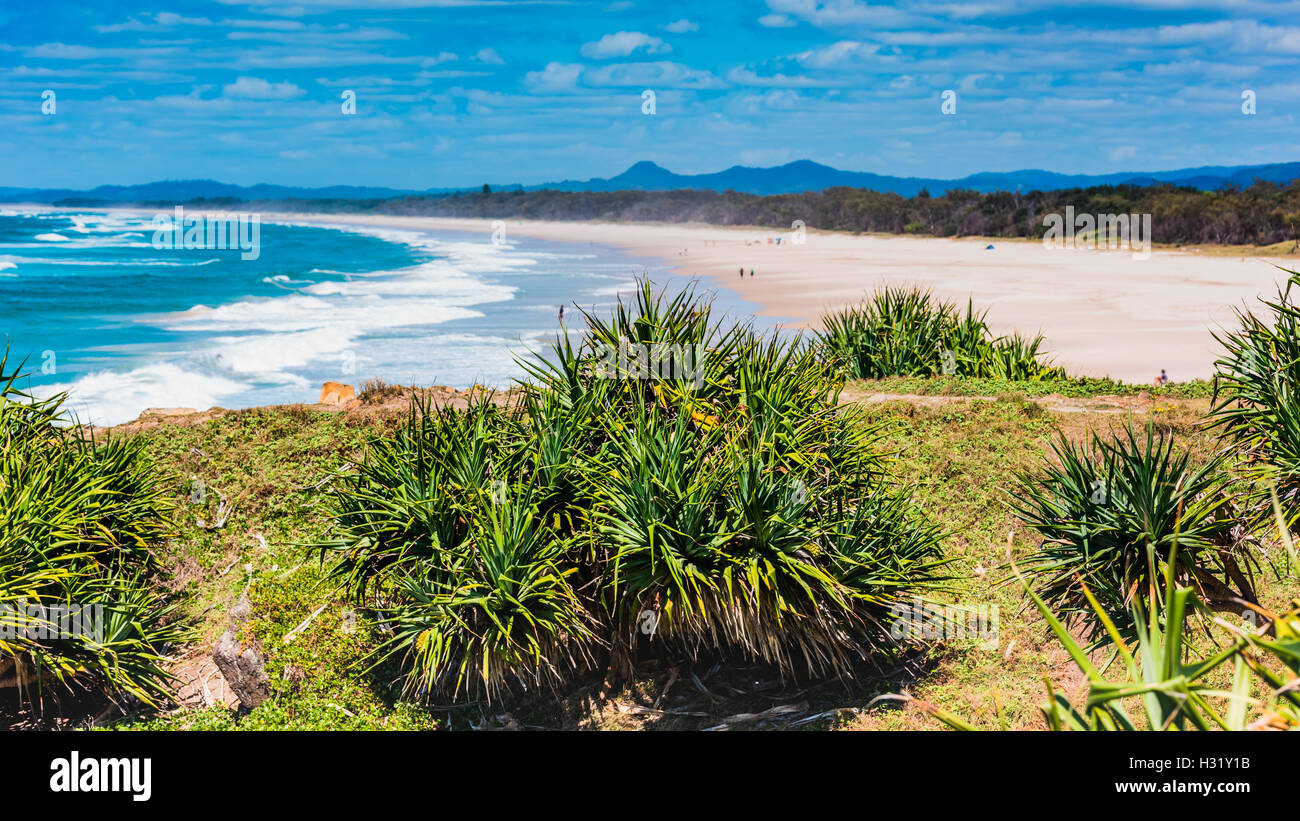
336,393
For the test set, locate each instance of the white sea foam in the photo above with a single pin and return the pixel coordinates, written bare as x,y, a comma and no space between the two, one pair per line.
112,397
286,282
374,323
445,359
116,241
324,324
106,263
270,357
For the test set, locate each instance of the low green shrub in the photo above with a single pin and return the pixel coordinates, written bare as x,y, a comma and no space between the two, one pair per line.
1257,401
715,500
1101,505
79,522
907,331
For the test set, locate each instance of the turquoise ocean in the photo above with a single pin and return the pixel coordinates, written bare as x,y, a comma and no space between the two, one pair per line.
97,311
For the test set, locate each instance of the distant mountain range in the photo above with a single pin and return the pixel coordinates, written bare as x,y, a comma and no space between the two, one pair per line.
791,178
805,175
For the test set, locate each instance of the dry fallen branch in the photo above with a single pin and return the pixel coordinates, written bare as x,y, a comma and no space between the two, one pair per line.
753,718
295,631
224,509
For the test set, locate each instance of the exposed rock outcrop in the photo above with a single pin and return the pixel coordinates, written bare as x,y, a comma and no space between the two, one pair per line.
336,393
243,667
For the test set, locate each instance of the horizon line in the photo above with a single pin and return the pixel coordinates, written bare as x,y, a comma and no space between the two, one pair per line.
636,163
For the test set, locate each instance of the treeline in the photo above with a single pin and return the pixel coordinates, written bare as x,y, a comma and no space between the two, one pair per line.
1262,214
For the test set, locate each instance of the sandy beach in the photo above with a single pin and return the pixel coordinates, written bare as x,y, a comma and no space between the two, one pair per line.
1103,312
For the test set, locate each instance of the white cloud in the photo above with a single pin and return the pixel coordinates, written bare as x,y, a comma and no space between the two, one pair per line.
129,25
748,77
781,99
623,43
65,51
167,18
318,36
839,13
1122,153
776,21
489,56
837,54
281,25
681,26
649,75
555,77
253,88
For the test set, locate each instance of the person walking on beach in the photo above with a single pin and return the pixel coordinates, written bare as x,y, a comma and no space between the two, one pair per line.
751,272
742,273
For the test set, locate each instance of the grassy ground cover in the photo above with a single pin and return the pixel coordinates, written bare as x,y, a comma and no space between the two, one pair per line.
961,459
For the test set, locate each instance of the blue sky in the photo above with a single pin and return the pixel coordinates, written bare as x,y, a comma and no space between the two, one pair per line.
457,92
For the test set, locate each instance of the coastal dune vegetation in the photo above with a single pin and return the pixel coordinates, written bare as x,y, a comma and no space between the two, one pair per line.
81,608
1143,551
747,520
746,514
902,331
1117,513
1162,679
1256,407
740,510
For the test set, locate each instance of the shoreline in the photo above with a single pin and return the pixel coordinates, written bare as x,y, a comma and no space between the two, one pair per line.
1103,313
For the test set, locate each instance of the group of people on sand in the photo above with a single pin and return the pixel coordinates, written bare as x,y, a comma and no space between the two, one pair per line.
742,272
